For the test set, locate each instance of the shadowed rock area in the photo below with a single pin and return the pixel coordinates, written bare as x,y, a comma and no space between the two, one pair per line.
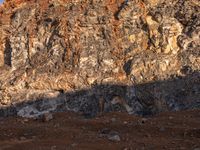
91,56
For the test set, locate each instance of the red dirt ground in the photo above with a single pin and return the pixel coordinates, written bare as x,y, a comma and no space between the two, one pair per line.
69,131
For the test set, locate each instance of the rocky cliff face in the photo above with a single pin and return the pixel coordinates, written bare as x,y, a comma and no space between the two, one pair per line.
74,54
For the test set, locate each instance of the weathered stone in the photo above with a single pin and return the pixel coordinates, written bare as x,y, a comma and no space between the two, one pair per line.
110,134
114,138
74,52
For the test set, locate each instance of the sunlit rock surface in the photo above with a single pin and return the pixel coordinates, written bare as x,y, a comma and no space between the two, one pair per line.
72,53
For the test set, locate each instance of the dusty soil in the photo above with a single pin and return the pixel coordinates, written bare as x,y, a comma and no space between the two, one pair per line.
180,130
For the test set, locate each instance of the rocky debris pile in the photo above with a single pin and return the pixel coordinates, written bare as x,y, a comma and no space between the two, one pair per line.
60,55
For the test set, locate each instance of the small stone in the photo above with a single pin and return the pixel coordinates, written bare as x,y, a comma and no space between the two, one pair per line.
144,120
114,138
53,147
110,134
22,138
162,129
26,120
113,119
125,122
57,125
74,144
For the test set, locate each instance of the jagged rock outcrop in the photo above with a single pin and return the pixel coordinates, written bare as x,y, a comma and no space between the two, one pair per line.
94,46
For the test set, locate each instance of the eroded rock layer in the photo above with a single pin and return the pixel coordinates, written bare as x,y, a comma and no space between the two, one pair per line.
77,54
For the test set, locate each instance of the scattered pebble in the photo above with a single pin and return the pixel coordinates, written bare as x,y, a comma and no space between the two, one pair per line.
53,147
110,134
57,125
162,129
125,122
113,119
26,120
22,138
114,138
74,144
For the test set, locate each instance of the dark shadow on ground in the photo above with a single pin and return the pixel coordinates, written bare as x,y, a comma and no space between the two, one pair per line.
177,93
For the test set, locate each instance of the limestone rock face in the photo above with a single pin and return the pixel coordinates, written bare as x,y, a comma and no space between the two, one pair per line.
89,49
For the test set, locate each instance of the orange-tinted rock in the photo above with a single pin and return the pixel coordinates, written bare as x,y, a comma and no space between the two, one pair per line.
68,45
